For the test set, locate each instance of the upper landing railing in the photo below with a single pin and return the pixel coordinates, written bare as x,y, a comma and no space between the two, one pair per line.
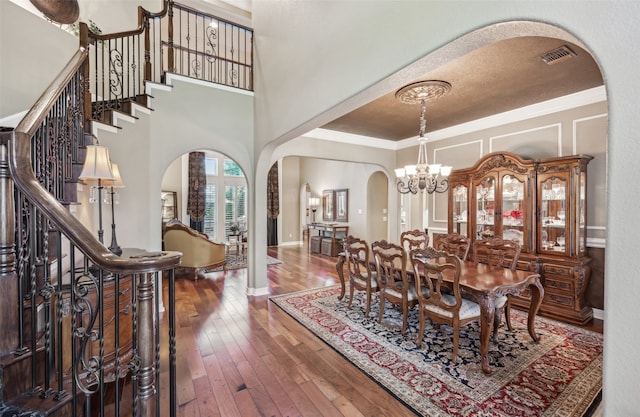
177,40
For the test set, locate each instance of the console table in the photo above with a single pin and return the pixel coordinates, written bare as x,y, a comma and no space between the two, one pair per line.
327,239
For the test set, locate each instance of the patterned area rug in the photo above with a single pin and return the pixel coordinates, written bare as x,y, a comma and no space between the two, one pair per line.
240,261
559,376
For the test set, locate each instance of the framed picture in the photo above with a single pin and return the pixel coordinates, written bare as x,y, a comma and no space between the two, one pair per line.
328,205
342,205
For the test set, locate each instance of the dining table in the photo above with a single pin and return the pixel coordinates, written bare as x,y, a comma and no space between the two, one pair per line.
486,284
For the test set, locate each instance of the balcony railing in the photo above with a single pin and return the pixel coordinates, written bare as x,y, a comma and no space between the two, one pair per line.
177,40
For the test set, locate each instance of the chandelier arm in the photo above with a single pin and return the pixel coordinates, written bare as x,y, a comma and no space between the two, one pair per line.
405,188
442,185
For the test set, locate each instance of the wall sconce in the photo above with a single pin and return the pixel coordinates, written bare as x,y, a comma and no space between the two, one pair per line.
97,166
314,202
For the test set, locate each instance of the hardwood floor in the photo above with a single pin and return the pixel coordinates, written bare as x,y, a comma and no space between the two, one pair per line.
243,356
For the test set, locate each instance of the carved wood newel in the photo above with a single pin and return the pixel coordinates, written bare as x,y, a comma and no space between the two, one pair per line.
9,301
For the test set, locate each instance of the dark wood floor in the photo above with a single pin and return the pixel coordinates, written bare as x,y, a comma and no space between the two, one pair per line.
243,356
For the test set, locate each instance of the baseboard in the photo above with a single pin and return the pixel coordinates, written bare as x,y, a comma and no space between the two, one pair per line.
598,314
291,243
257,292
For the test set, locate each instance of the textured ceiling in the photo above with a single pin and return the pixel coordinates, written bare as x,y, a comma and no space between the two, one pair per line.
496,78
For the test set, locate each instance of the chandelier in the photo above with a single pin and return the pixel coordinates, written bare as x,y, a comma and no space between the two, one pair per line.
422,176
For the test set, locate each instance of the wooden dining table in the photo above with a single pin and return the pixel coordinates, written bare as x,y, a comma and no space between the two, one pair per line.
485,284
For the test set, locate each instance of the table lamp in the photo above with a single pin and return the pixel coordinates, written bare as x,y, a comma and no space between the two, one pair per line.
97,166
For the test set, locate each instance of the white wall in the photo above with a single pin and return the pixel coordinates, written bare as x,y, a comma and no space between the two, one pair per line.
341,76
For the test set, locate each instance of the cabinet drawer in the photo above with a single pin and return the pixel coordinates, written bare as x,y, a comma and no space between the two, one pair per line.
558,299
557,284
557,269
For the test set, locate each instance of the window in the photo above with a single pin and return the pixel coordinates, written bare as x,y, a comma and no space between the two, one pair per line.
210,211
231,169
235,207
211,166
226,197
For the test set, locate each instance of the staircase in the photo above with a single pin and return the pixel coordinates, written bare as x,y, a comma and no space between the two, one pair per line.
82,332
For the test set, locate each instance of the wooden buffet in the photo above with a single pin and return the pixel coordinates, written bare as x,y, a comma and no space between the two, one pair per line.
542,204
327,238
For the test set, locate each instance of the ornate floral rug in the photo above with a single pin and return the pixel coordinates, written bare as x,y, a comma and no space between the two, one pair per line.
559,376
240,261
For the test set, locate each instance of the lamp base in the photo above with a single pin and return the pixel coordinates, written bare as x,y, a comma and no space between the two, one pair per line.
114,247
116,250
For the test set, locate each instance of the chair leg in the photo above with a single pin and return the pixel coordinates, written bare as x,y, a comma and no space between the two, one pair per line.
350,294
368,303
456,338
381,308
405,317
422,326
497,318
507,314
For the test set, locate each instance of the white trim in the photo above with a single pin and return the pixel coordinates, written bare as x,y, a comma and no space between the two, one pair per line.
575,128
117,116
150,85
596,242
598,314
170,77
291,243
97,126
596,228
137,108
571,101
558,126
13,120
350,138
257,292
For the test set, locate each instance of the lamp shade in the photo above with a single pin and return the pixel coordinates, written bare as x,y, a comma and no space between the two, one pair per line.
97,165
117,181
314,201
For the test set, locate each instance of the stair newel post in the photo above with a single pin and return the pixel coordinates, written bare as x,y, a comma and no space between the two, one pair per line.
170,52
85,74
145,379
144,17
9,302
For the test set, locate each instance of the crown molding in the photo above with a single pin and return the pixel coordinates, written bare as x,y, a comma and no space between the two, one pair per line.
571,101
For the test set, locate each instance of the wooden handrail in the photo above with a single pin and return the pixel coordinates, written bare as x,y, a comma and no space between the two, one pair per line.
24,178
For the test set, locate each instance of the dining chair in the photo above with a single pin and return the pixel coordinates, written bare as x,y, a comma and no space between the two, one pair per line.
450,308
395,286
501,253
361,277
414,239
453,243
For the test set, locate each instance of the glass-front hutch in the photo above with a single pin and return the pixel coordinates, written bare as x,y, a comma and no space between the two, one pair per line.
542,205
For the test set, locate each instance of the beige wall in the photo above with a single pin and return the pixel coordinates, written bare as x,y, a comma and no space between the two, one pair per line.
581,130
322,174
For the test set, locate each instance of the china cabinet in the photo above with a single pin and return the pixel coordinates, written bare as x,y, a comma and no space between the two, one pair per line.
542,205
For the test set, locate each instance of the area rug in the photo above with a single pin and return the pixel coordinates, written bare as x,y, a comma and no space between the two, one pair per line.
240,261
559,376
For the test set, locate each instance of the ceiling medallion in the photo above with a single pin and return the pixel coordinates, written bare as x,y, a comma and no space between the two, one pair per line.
420,91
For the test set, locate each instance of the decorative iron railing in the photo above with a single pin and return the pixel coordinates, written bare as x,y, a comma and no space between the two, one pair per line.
78,321
177,40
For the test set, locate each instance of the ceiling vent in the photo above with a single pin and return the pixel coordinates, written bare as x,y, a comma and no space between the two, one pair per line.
559,54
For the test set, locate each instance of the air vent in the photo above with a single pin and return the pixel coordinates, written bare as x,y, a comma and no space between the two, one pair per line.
559,54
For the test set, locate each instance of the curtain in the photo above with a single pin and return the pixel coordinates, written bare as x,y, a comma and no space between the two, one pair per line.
197,190
273,206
